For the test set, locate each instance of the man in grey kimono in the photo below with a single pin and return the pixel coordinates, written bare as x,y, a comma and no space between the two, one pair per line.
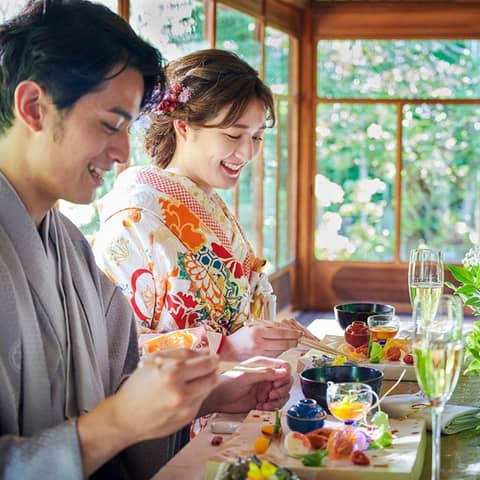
73,77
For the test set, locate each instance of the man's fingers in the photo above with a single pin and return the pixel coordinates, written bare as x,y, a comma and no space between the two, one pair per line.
186,365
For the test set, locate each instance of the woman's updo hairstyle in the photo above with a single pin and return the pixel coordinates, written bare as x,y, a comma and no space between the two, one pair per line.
201,85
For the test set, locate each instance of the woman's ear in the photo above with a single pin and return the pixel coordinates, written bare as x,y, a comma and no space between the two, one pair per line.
29,102
181,129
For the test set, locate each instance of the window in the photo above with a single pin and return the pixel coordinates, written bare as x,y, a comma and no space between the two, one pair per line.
396,105
175,28
263,200
279,179
397,114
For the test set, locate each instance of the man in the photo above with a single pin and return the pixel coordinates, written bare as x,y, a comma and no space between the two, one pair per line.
73,77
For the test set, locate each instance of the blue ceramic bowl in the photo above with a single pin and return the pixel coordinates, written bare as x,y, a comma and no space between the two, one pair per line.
305,425
349,312
314,380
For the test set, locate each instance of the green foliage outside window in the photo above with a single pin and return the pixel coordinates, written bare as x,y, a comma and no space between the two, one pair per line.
354,184
357,142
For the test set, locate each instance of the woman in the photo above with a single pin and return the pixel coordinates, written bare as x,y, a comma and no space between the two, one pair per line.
168,240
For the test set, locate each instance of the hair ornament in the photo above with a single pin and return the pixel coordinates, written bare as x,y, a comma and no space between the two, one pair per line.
175,95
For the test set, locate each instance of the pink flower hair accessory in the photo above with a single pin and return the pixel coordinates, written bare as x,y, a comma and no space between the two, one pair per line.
175,95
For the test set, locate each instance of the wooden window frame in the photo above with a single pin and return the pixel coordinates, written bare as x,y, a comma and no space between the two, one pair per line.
322,284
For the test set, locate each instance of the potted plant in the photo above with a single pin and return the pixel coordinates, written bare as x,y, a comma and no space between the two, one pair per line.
467,391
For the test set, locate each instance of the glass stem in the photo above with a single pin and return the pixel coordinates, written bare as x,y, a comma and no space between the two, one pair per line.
436,433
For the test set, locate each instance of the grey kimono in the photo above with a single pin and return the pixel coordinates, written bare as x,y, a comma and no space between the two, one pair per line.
67,340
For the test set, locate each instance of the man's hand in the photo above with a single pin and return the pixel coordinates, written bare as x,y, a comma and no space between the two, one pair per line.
160,397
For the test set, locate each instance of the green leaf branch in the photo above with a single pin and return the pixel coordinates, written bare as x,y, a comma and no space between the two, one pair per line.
468,289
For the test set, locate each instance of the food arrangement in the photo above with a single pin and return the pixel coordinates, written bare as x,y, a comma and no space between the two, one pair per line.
253,468
332,452
192,338
374,344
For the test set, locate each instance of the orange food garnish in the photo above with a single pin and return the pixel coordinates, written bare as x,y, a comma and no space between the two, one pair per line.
260,445
340,443
171,340
269,429
392,354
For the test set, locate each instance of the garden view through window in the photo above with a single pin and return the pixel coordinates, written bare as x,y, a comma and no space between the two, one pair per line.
397,148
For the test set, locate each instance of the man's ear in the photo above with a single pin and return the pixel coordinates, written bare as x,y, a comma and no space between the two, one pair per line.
181,129
29,104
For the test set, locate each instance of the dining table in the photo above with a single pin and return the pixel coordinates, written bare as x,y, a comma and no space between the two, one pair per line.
460,453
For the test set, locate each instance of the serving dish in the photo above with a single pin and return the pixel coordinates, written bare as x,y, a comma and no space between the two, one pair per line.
401,462
391,369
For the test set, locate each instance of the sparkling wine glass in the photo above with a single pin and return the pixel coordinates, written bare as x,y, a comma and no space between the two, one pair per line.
438,349
425,278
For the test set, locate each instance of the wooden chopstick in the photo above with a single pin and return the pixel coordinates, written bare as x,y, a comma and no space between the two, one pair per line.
318,345
225,366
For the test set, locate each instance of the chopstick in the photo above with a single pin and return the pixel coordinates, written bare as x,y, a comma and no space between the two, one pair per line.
318,345
225,366
307,339
290,323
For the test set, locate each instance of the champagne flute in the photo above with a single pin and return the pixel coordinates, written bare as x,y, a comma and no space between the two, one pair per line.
438,349
425,278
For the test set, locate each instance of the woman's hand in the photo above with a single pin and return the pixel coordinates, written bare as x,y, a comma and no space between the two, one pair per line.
269,341
241,392
292,323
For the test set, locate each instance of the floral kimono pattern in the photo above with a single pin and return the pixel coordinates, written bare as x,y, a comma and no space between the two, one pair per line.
176,252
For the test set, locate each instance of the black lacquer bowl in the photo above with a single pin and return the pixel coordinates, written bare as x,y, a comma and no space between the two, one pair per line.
347,313
314,380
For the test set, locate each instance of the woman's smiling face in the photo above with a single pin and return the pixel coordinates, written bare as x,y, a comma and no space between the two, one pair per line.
214,157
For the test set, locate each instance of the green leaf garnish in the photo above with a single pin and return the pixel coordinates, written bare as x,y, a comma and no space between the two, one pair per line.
376,352
384,437
315,459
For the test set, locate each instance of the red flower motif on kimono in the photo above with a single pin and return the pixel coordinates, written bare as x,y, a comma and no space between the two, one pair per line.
181,307
143,293
234,266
